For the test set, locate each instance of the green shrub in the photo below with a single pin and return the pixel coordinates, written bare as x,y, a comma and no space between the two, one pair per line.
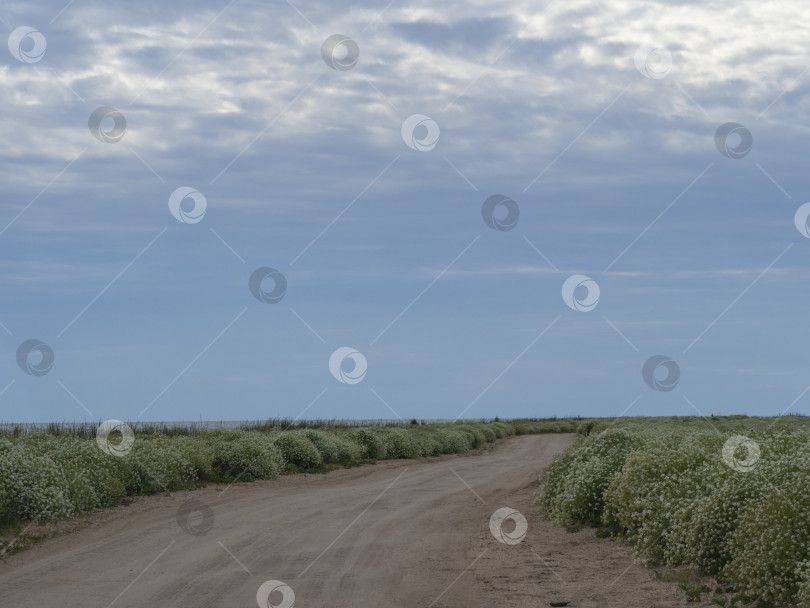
349,450
160,465
477,438
585,428
398,443
32,487
428,442
297,449
373,446
488,432
326,446
503,429
770,542
579,478
197,452
670,490
108,477
454,441
245,456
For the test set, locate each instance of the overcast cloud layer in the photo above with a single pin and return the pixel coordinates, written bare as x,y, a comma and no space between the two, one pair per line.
609,154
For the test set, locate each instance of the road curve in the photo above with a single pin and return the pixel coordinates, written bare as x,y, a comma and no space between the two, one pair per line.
401,533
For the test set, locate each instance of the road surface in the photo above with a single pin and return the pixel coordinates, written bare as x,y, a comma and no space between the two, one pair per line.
395,534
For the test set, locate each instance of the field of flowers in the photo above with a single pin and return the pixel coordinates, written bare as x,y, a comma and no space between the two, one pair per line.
60,472
729,498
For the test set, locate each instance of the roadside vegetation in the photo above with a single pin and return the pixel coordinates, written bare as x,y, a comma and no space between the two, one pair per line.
724,498
59,471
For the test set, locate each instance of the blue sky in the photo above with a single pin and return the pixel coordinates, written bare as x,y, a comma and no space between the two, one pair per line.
304,169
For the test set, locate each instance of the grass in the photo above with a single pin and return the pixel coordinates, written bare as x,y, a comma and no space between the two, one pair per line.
88,430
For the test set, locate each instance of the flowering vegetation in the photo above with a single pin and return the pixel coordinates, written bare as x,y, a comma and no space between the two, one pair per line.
51,475
728,497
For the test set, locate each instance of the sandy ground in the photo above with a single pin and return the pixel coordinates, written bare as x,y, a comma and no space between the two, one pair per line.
396,534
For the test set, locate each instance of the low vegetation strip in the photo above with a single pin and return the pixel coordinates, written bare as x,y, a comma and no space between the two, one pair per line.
727,497
47,476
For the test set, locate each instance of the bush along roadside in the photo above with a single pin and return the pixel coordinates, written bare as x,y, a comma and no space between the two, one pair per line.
727,498
47,476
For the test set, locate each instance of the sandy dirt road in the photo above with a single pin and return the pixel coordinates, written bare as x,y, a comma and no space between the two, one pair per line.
395,534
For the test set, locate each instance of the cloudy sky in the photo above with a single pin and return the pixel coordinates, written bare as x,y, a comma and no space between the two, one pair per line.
345,156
